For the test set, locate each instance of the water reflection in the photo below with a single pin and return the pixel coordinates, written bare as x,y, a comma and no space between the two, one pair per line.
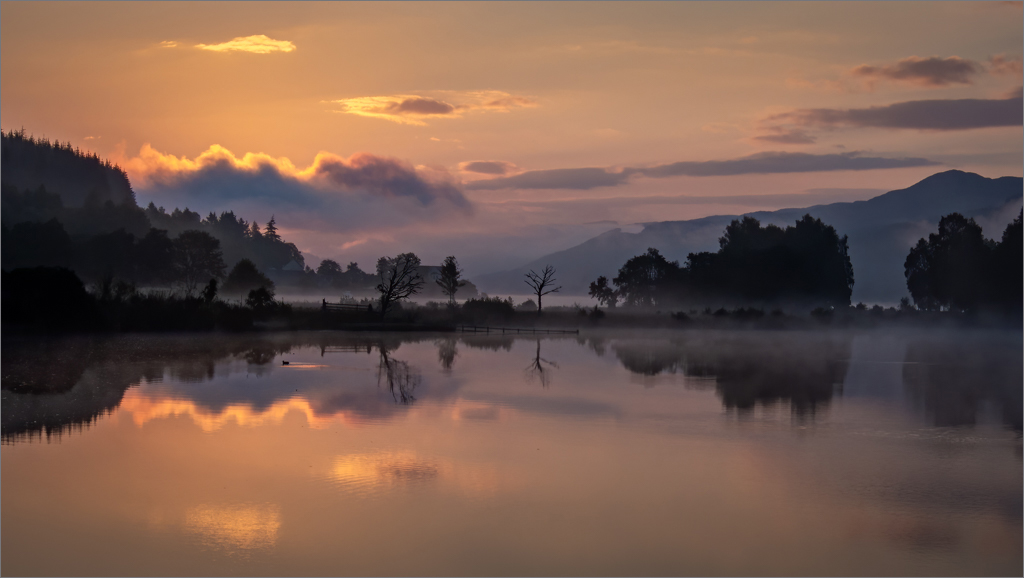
56,386
956,385
401,379
235,528
747,370
537,370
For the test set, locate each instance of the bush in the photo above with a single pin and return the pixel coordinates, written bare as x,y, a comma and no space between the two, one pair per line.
489,307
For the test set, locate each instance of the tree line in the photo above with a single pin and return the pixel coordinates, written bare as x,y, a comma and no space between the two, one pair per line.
807,263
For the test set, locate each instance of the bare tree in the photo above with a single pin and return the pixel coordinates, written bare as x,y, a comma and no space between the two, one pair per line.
399,279
541,283
450,278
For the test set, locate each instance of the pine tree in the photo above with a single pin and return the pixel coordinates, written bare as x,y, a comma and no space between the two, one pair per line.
271,231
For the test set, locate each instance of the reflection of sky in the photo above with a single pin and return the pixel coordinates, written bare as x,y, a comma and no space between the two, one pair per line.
313,468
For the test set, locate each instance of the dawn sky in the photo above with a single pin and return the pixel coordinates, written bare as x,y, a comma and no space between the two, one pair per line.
499,132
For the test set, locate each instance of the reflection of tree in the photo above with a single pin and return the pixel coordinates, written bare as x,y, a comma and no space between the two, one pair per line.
447,352
750,370
536,369
402,380
650,357
953,381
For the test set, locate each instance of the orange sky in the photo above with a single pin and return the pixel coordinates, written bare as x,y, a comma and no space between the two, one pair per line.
179,93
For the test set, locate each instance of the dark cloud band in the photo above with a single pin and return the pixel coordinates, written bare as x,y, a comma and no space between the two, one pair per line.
762,163
963,114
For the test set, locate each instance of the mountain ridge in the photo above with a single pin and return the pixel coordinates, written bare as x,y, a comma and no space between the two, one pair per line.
881,231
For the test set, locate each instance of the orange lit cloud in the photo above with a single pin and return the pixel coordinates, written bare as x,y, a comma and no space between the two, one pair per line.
258,44
378,176
168,44
411,108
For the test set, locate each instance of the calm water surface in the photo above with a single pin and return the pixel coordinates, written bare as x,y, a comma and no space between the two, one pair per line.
708,453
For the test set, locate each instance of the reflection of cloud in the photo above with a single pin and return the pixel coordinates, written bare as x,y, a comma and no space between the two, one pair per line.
144,408
761,163
258,44
930,72
235,527
373,472
412,108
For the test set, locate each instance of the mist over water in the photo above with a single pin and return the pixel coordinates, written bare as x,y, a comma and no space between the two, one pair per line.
618,453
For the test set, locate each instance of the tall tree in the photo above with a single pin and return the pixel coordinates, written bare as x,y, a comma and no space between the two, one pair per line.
542,283
450,278
197,259
399,279
270,232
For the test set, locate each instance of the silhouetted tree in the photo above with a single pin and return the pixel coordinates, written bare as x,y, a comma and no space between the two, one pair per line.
270,232
643,280
398,279
210,292
450,278
197,258
329,269
541,283
951,268
155,257
1008,267
604,294
245,277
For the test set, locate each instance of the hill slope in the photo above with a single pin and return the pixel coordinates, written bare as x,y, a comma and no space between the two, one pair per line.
881,232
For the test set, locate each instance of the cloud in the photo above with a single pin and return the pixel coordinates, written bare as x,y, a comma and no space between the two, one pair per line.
487,167
168,44
1001,64
258,44
333,193
782,135
932,71
412,109
960,114
761,163
579,179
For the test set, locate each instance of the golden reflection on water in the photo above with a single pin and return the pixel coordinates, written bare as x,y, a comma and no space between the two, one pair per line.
389,470
144,407
235,527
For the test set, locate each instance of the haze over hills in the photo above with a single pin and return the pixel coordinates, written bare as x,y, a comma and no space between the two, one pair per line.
881,232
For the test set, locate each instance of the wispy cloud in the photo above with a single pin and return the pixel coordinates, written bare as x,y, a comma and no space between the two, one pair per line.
962,114
933,71
488,167
783,135
258,44
761,163
1001,64
413,108
168,44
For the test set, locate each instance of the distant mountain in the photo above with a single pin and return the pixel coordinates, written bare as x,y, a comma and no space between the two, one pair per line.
881,231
